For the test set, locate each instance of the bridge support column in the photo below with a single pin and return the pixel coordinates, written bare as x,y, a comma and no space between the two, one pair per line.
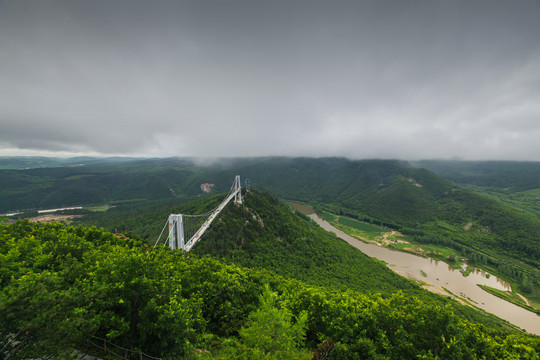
176,231
238,187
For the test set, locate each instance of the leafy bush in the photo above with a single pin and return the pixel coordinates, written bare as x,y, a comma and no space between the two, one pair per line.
61,285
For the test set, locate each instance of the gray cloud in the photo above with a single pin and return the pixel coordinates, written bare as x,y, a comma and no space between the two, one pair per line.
394,79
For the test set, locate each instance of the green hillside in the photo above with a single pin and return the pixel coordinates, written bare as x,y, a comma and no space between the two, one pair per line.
511,175
33,162
78,288
389,192
397,195
264,233
515,184
110,182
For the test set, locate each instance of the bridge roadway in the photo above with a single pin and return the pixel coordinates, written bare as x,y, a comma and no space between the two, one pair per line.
206,225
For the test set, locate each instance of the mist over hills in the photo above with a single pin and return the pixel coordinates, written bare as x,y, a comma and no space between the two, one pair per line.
259,244
387,191
32,162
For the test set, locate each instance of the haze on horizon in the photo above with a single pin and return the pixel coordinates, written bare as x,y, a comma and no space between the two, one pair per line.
361,79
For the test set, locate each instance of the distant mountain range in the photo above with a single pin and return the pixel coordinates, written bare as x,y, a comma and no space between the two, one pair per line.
354,306
32,162
391,192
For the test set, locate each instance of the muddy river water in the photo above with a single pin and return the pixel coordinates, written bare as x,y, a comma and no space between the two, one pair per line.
440,275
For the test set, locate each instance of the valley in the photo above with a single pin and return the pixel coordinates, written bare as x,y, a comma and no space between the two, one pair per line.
442,278
386,204
464,283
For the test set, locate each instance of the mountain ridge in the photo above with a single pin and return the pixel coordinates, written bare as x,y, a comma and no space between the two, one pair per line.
388,191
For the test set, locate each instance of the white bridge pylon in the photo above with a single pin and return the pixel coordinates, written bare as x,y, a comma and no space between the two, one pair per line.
177,239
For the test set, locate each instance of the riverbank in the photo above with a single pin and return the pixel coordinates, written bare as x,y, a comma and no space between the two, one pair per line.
514,298
392,239
440,275
374,234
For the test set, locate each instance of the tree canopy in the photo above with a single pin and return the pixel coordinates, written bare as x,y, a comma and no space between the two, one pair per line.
61,286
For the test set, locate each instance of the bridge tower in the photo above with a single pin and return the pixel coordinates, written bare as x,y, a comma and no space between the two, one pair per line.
237,187
176,232
179,240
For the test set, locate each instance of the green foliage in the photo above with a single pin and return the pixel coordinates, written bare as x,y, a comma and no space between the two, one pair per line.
264,233
270,329
269,333
524,201
146,219
61,285
390,192
50,267
95,184
516,175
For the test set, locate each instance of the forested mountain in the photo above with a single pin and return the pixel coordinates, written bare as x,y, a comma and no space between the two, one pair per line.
264,233
515,184
65,289
111,182
277,272
402,197
32,162
390,192
513,175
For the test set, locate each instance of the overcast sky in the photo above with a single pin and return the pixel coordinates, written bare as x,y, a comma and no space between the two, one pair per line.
404,79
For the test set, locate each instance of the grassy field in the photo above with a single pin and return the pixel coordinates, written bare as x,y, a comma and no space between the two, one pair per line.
354,227
303,208
99,208
362,226
392,239
397,241
328,217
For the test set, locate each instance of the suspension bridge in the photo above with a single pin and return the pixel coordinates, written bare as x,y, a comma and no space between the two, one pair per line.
186,230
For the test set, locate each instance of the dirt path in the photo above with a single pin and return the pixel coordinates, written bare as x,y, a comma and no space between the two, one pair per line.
524,299
385,235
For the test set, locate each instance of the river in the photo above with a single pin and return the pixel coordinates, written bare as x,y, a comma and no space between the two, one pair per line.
438,274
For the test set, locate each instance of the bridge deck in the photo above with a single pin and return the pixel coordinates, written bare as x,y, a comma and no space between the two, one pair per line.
208,221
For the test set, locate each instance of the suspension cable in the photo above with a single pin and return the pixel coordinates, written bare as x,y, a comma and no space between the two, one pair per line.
232,191
159,237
